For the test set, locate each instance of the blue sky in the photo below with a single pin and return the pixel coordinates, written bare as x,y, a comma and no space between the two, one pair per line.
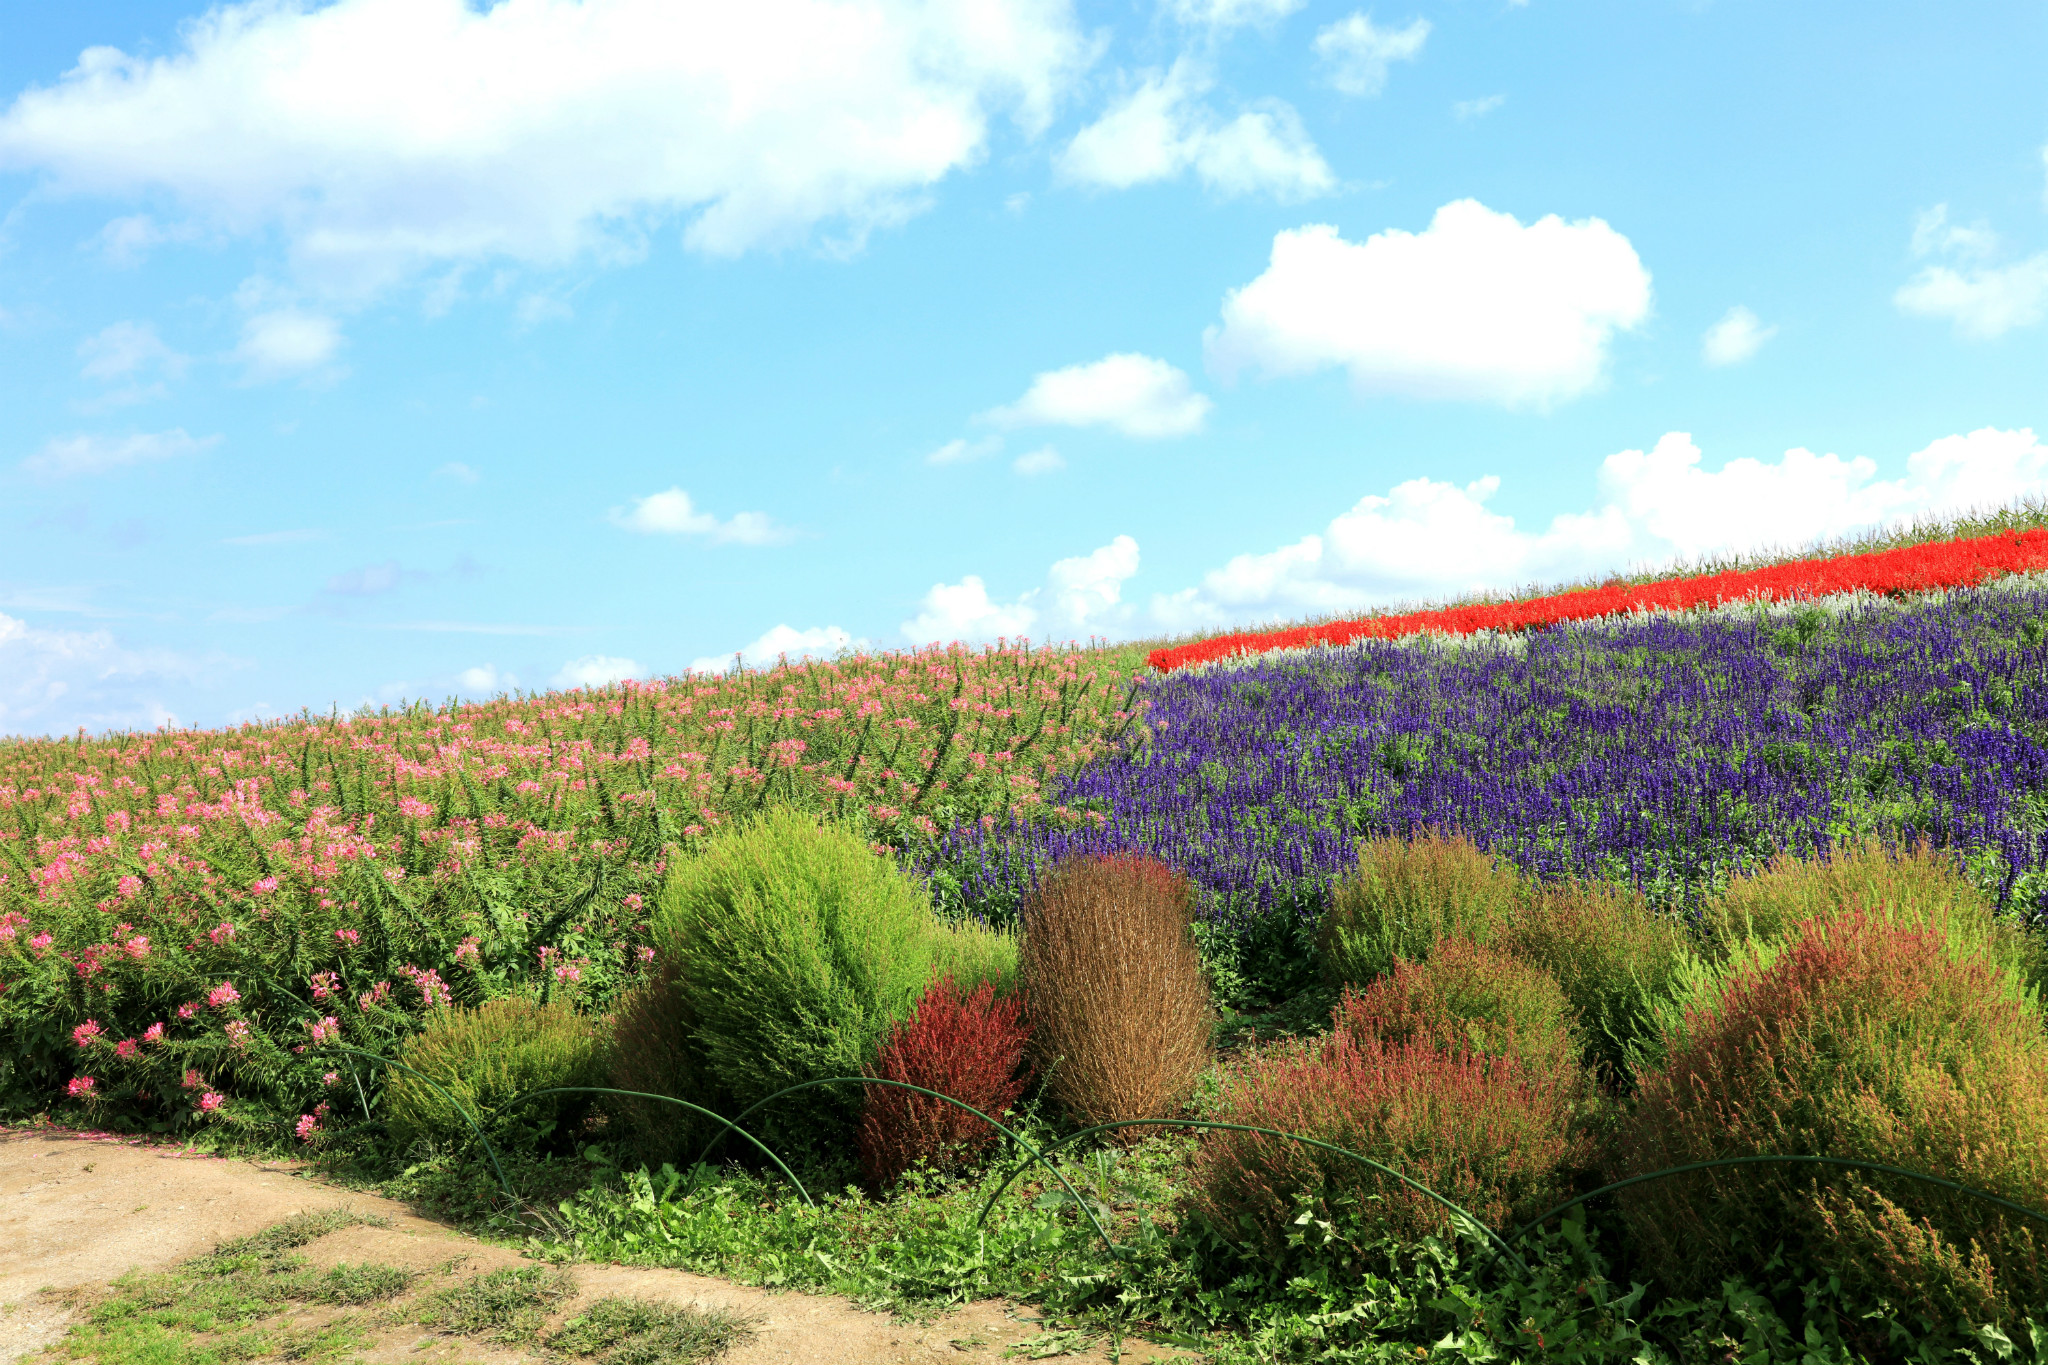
378,349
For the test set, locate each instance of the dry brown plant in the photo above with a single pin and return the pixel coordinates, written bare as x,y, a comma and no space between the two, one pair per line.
1119,1001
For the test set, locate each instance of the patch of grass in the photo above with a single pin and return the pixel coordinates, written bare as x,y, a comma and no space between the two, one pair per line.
261,1248
505,1307
618,1331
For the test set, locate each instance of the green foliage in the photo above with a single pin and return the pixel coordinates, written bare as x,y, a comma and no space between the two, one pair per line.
1467,998
486,1056
1616,960
794,947
1863,1038
1408,894
619,1331
969,953
506,1306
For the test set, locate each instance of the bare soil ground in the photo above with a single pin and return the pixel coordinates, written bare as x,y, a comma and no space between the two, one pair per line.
78,1210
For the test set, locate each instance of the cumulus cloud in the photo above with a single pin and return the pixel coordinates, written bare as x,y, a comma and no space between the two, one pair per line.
1162,130
383,137
1476,306
128,350
1426,538
66,456
485,680
1044,460
1355,53
287,341
671,513
1464,111
459,472
782,642
55,681
1229,14
1126,392
1081,596
1981,300
595,670
1739,335
960,450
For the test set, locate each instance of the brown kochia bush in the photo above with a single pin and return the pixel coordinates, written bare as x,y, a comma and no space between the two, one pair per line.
968,1044
1405,895
1864,1039
651,1025
1481,1129
1466,998
1616,959
1119,1004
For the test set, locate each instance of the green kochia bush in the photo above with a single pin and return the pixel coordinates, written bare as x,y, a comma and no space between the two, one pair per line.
792,947
486,1056
1860,1038
1407,894
1466,998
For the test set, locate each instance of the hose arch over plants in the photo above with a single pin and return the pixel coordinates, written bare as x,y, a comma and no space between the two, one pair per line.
1851,1163
1500,1245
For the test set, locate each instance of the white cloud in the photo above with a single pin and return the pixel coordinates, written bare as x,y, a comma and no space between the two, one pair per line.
127,349
671,513
285,341
1161,130
1130,393
960,450
70,455
1477,306
1044,460
783,641
1982,303
1934,234
383,137
1081,596
55,681
485,680
1428,539
1356,53
595,670
1464,111
1739,335
1229,14
458,471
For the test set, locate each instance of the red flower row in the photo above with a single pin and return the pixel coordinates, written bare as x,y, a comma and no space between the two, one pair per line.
1914,568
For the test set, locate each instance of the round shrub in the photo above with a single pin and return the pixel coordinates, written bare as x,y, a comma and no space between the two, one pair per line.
1405,895
1481,1129
486,1056
968,1044
794,948
651,1054
1862,1038
1120,1009
1916,886
1466,998
969,953
1616,960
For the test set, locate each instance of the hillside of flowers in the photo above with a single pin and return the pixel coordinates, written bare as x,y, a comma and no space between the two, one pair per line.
205,903
1930,566
1665,752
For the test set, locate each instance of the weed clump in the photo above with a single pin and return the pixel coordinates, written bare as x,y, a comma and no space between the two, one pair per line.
1119,1004
1864,1038
1407,894
968,1045
505,1306
486,1056
619,1331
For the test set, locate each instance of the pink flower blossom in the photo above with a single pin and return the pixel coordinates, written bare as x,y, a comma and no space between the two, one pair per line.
41,942
374,996
87,1033
414,808
326,1030
307,1126
646,956
81,1088
193,1080
223,995
221,933
129,886
348,936
634,901
138,947
331,1078
238,1033
187,1011
325,984
127,1049
9,922
211,1102
568,971
153,1034
467,951
264,886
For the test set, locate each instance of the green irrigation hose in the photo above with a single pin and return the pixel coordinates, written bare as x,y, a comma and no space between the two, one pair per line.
1013,1136
1853,1163
1499,1244
489,1150
671,1099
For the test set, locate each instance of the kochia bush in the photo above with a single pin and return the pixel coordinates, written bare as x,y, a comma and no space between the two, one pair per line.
486,1056
1465,998
967,1044
1405,895
1860,1038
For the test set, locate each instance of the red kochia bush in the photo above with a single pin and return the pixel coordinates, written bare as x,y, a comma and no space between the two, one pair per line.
1482,1130
1868,1039
968,1046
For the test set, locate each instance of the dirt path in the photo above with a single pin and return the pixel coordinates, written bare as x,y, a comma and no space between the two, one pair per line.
79,1210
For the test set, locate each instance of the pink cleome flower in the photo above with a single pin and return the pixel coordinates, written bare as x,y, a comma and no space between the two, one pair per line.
264,886
326,1030
41,942
238,1033
468,951
130,887
221,933
646,956
87,1033
414,808
223,995
138,947
81,1088
568,971
348,936
211,1102
153,1034
187,1011
325,985
331,1078
193,1080
127,1049
306,1127
634,901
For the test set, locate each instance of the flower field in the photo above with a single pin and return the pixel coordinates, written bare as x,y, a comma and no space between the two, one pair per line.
1906,569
